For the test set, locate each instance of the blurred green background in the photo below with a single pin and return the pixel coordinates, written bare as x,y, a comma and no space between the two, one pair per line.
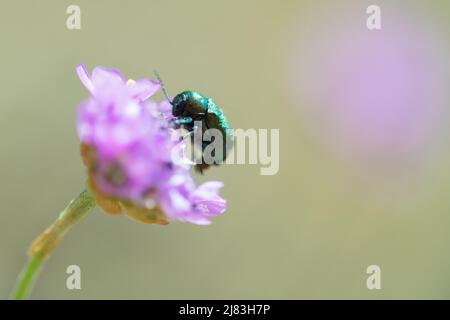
308,232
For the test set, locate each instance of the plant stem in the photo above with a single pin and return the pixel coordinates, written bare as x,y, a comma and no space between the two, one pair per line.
26,278
43,246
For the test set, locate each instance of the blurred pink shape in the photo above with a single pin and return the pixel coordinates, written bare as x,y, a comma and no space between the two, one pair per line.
371,96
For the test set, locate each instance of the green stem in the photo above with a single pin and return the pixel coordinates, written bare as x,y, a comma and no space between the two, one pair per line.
43,246
27,277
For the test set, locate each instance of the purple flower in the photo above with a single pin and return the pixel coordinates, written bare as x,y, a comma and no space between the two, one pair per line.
134,156
186,202
376,98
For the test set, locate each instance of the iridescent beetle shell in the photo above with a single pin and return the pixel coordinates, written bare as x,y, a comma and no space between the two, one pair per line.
193,105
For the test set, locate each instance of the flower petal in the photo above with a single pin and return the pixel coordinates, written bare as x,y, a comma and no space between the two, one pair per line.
85,78
103,74
199,220
211,207
207,190
211,186
144,88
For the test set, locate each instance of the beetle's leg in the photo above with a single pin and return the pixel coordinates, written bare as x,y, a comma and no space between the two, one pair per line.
183,120
200,168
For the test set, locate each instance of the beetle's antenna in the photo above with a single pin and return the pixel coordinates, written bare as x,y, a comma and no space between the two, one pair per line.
162,85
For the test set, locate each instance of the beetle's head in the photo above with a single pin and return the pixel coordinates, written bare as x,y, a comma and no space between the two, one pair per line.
179,104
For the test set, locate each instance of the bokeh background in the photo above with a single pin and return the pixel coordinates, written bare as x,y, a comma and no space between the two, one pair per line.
364,147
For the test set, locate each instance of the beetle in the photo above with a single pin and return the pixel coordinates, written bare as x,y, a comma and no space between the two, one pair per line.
190,107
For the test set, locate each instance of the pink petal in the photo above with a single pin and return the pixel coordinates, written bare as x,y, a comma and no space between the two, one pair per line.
200,221
101,75
144,88
84,77
164,106
208,189
211,207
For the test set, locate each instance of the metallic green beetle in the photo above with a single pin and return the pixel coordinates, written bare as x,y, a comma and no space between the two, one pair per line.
189,107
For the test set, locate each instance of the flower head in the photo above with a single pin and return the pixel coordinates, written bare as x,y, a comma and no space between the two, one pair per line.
128,144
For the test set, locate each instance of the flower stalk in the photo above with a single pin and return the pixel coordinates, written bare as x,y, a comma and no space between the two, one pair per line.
43,246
